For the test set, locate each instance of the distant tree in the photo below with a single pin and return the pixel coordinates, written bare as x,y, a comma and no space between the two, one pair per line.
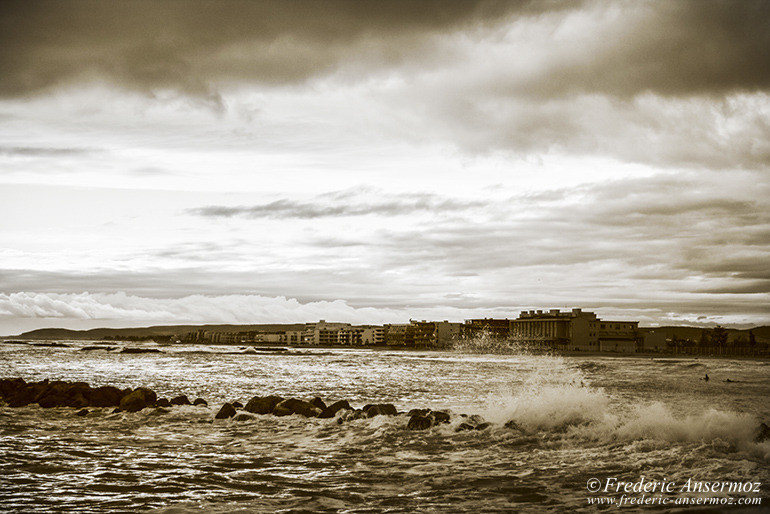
704,338
752,339
719,336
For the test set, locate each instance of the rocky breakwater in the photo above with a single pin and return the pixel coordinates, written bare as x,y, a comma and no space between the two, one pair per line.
16,392
342,411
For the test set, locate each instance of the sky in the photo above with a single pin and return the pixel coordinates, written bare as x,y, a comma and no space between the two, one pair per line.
364,161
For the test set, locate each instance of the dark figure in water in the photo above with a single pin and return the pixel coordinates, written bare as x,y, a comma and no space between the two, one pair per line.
706,378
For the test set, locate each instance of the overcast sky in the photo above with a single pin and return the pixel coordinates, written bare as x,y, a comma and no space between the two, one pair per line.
374,161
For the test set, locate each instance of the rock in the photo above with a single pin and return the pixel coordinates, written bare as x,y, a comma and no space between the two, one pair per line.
296,406
762,433
282,410
140,350
160,410
263,404
440,416
464,426
318,402
227,411
334,408
237,404
419,422
138,399
421,412
180,400
201,401
163,402
513,425
9,386
244,417
82,412
483,426
105,396
384,409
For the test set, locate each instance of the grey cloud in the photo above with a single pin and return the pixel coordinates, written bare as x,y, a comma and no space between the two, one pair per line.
194,45
31,151
321,207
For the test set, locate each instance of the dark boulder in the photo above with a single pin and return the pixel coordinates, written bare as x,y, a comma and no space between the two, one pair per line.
295,406
263,404
440,416
419,422
163,402
331,410
138,399
82,412
513,425
180,400
105,396
282,410
227,411
244,417
9,386
351,415
200,401
318,402
237,404
380,409
421,412
140,350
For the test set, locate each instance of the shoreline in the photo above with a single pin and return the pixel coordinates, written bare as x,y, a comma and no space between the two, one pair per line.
267,347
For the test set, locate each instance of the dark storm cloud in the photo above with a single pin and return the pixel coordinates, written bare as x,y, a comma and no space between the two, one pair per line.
670,48
343,206
192,45
674,48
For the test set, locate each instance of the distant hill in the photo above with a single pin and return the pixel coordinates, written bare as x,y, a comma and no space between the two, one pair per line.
147,332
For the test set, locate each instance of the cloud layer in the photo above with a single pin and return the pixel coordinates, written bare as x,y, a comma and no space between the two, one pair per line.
439,157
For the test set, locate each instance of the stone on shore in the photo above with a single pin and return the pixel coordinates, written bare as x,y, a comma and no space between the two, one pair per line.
227,411
334,408
200,401
163,402
263,404
82,412
180,400
295,406
318,402
138,399
105,396
420,421
244,417
380,409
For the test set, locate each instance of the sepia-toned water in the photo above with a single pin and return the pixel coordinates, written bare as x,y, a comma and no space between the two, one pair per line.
578,417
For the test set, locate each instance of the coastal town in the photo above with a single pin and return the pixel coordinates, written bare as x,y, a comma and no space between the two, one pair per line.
572,330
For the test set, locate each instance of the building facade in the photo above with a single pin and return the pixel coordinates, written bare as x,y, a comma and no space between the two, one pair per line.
574,330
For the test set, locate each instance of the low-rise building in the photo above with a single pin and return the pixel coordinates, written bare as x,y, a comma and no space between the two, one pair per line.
574,330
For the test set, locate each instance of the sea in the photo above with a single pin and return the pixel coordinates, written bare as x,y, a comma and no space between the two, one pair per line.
567,433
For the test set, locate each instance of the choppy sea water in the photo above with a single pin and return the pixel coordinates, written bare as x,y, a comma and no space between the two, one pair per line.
579,418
